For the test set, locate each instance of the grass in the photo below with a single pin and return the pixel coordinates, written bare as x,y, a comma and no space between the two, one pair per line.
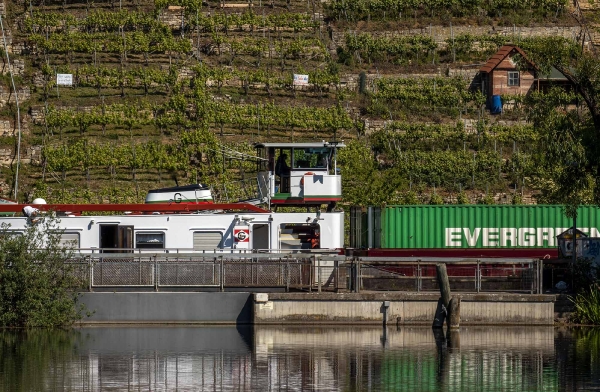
587,306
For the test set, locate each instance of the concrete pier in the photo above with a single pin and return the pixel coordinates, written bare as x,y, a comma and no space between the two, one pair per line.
168,308
401,308
396,308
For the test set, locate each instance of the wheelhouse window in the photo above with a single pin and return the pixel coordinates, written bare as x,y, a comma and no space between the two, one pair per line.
514,78
150,240
311,158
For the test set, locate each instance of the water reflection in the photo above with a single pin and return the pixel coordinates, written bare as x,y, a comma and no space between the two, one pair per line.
299,359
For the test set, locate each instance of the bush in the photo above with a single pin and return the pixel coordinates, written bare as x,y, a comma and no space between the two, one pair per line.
517,199
487,200
462,198
36,285
410,198
587,306
436,199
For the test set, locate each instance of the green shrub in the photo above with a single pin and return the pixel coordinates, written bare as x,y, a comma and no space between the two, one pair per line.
436,199
36,285
462,198
587,306
488,199
410,198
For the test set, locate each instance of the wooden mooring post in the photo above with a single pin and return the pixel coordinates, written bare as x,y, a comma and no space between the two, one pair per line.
448,308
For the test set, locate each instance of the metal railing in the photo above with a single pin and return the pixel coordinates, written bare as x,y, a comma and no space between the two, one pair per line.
480,275
307,272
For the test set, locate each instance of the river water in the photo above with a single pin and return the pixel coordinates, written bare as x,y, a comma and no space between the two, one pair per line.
300,359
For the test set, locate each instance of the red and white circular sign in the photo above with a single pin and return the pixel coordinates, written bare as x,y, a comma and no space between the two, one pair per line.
241,235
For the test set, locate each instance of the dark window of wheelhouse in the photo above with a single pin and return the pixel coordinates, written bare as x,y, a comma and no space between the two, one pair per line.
150,240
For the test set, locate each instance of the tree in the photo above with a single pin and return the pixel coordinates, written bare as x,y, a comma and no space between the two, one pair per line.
569,125
36,283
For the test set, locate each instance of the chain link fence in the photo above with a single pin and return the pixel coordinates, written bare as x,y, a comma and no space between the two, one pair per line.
490,276
299,272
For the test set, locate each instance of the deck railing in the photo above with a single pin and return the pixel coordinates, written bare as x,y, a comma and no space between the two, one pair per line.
299,271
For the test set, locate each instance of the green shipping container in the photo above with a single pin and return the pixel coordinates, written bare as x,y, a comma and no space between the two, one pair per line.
481,226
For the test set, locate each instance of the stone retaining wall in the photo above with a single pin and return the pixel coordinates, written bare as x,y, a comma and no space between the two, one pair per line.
29,155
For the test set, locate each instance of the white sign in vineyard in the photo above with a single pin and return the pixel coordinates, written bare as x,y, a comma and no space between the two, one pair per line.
300,80
64,79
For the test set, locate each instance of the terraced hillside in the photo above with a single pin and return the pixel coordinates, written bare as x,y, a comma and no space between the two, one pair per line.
176,91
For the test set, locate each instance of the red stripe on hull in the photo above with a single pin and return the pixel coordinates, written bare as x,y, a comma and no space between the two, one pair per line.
303,201
172,207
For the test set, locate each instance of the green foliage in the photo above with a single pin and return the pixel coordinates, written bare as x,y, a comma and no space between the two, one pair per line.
584,274
587,306
448,95
223,22
367,9
566,170
517,199
197,94
397,49
420,49
97,20
569,169
487,199
410,198
361,181
438,91
436,199
462,198
36,283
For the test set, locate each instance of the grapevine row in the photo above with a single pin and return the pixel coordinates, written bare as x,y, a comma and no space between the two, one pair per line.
399,133
438,91
132,42
96,21
364,9
111,21
176,113
261,47
405,49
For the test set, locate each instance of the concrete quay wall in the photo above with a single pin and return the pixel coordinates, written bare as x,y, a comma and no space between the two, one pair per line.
309,308
400,308
167,308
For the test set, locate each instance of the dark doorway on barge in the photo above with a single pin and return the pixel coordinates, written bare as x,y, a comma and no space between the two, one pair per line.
116,238
260,236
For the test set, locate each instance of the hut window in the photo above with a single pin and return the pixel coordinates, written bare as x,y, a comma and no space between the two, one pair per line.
513,78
